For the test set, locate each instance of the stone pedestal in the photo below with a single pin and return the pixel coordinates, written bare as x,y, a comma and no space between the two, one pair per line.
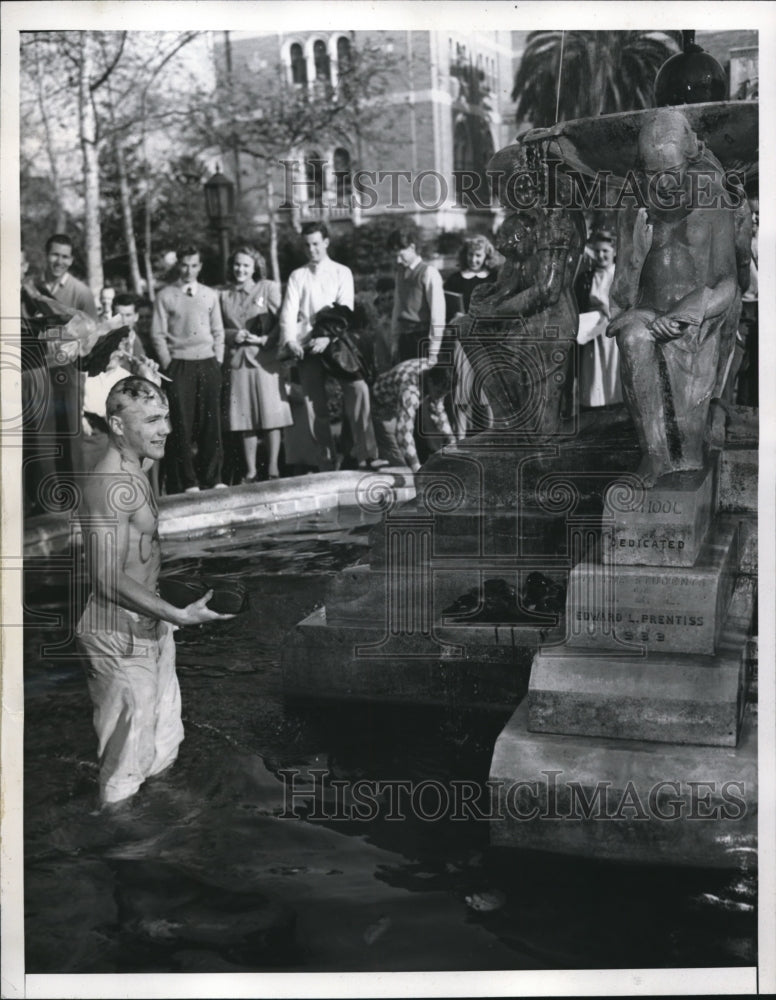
491,509
672,609
661,697
326,661
663,526
627,801
641,721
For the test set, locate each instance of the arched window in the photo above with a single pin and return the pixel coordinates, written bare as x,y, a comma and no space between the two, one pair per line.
472,149
298,65
314,167
484,148
462,151
321,61
343,54
342,176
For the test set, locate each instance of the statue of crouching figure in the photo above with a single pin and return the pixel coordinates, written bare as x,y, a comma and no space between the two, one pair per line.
676,295
520,330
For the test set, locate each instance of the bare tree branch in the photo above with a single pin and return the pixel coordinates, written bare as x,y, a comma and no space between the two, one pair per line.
112,65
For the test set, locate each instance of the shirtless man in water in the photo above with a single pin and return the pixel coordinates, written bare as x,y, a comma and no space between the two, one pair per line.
126,630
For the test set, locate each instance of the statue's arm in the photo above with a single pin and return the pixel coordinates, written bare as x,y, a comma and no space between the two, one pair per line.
714,250
705,303
634,241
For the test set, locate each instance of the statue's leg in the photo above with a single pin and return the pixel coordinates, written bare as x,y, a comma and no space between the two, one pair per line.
558,371
727,345
463,388
647,390
692,369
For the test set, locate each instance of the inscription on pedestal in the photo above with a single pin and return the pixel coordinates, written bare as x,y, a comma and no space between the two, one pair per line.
673,610
663,697
663,526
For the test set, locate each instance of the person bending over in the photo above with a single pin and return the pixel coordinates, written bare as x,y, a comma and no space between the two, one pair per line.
396,398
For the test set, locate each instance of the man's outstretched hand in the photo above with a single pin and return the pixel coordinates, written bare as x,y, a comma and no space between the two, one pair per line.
198,612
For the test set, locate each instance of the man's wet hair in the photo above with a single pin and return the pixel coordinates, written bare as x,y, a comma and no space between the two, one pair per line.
132,390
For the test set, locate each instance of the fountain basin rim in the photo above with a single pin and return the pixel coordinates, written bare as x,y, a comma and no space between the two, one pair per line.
609,142
198,515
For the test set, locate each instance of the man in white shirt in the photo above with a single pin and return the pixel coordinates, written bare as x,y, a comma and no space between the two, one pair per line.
321,283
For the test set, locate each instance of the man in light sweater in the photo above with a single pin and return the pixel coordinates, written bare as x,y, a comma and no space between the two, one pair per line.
59,282
418,320
188,337
320,283
64,382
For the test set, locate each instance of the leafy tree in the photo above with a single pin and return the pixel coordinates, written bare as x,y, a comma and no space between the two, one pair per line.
176,206
114,90
270,118
52,56
602,72
364,249
143,97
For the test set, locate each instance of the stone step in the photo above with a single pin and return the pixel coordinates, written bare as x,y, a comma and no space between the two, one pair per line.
660,697
738,479
377,598
332,662
626,800
528,533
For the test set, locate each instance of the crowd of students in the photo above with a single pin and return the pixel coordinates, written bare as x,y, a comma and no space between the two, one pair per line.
253,374
260,379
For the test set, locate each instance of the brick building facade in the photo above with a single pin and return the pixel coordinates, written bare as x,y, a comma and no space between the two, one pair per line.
447,109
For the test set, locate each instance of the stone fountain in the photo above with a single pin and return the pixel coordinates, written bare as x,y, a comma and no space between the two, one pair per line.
634,732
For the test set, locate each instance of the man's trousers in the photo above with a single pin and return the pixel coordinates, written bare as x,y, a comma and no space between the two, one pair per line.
194,396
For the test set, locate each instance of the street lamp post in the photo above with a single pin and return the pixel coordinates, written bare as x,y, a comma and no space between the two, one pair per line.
219,203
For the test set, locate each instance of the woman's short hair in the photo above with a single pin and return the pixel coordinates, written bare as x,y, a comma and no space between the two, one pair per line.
478,242
259,264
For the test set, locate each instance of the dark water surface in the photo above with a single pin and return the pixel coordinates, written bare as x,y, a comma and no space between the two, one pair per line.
200,872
